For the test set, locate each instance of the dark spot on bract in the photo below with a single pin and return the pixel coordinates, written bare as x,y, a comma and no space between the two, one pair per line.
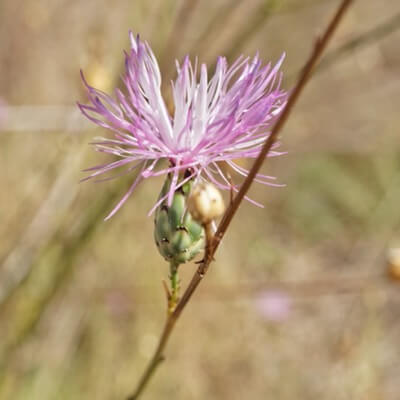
188,172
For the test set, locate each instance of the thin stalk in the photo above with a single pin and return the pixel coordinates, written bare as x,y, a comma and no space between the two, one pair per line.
174,279
158,356
214,240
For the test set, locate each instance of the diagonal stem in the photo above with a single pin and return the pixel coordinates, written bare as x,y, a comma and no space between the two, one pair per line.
213,241
319,48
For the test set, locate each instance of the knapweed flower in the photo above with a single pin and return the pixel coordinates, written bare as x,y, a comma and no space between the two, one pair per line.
224,118
221,119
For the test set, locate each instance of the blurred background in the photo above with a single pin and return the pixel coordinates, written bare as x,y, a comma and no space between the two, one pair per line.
300,303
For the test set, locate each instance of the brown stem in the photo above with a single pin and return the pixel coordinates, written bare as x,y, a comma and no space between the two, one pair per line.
213,241
319,47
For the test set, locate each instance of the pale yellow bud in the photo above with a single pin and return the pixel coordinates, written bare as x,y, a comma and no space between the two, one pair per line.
393,259
205,202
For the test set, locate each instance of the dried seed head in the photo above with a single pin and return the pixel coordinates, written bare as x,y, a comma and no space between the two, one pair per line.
205,202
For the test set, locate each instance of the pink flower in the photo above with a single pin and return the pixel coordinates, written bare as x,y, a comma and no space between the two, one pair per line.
222,118
274,305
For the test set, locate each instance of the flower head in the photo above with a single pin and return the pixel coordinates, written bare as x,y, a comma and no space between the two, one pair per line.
223,118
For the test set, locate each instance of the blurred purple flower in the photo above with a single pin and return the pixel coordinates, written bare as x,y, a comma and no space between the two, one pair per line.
274,305
222,118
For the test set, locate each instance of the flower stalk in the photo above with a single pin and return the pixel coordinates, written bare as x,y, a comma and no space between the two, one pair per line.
173,316
175,286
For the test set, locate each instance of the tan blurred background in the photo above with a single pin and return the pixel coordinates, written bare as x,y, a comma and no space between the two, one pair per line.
299,303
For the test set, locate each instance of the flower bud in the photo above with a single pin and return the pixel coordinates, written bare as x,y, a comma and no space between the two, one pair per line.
393,261
178,236
205,202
